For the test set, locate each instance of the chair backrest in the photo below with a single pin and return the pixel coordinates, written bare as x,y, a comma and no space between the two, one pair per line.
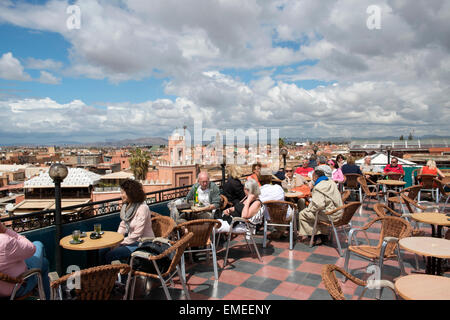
277,210
162,226
223,202
349,211
96,283
201,230
351,180
393,227
178,247
332,284
383,210
345,195
154,214
363,183
414,174
394,175
412,192
411,204
426,180
440,186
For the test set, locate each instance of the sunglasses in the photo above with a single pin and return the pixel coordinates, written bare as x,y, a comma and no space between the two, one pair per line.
289,170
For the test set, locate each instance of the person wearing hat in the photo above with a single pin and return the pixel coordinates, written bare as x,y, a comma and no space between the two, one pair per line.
325,198
324,166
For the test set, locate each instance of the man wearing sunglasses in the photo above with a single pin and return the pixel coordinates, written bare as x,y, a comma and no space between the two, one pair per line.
394,167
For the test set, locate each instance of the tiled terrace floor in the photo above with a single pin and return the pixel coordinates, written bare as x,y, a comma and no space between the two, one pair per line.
283,274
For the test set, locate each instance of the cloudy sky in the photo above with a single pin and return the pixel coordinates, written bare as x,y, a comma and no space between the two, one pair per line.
137,68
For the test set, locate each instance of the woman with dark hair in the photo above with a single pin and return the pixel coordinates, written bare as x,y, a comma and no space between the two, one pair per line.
340,160
136,220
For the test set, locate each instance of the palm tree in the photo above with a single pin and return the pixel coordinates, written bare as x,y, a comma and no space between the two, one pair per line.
139,163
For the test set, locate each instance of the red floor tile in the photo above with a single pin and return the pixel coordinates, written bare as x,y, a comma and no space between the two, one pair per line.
233,277
285,289
250,293
310,267
274,273
293,254
302,292
328,250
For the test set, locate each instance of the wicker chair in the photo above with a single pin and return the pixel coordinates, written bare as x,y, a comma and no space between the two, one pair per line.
345,195
394,176
203,236
414,175
162,226
394,197
95,283
351,183
277,211
383,210
333,286
347,215
19,280
428,185
223,202
442,192
177,249
392,230
154,214
235,221
362,180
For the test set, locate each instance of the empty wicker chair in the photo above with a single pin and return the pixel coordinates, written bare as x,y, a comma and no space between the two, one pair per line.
349,210
177,249
95,283
362,180
392,230
443,193
333,286
162,226
19,280
351,183
394,197
203,236
277,211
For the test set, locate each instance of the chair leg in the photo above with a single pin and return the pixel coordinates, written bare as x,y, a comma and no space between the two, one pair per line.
337,239
380,266
311,242
228,247
291,234
127,287
183,267
256,248
216,274
400,261
347,259
265,233
183,283
417,261
133,288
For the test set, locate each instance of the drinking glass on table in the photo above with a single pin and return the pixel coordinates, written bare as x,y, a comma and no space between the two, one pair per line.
76,235
97,228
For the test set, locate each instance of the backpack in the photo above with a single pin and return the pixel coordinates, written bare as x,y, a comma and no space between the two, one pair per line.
154,247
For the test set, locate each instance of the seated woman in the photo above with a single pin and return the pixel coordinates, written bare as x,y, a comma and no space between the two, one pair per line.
136,221
17,255
431,168
233,188
250,208
350,167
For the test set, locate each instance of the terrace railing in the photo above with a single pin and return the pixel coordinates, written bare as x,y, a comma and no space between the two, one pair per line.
44,218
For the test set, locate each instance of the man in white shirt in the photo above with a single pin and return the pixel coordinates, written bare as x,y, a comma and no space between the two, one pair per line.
272,192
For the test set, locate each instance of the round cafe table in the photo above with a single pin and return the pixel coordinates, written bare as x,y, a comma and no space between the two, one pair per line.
293,194
423,287
390,183
108,239
430,247
434,219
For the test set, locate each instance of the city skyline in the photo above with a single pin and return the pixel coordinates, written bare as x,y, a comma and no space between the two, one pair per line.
116,70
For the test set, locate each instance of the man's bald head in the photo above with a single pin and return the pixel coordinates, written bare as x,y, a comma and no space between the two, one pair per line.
203,180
